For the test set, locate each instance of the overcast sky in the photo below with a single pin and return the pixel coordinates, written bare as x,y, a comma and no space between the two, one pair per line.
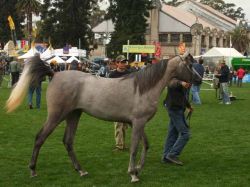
245,4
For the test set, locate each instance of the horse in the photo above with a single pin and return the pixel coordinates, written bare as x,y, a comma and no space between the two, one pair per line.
131,99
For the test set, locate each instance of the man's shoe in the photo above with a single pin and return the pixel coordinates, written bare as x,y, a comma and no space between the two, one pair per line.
30,106
228,103
165,160
174,160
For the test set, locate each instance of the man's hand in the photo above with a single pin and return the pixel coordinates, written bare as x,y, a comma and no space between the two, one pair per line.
185,84
190,109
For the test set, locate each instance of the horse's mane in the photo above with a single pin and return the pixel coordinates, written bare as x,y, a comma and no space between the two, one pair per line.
148,77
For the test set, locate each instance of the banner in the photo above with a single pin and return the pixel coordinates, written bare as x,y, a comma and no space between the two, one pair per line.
138,48
157,49
11,23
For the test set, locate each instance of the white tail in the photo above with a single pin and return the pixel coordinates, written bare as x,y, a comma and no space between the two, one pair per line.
19,92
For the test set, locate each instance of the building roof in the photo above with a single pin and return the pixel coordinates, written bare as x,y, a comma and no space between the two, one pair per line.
208,14
184,16
105,26
215,12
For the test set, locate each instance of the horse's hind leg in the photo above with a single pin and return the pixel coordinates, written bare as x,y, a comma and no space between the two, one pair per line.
137,132
72,122
144,151
42,135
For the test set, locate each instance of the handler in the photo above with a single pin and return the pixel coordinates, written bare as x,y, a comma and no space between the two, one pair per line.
176,103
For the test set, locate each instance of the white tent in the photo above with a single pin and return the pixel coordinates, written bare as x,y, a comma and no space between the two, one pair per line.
57,59
215,55
48,53
74,51
222,52
9,48
72,59
29,54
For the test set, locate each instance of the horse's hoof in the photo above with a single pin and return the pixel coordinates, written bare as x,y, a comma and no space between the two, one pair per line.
134,179
83,173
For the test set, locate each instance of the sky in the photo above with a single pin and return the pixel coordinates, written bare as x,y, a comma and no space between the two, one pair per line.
243,4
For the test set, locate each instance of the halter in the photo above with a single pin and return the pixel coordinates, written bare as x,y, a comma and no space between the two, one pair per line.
193,71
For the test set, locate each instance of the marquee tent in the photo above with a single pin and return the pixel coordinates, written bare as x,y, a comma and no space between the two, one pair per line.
48,53
215,55
29,54
72,59
222,52
57,59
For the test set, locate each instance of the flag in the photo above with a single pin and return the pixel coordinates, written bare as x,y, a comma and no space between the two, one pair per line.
11,23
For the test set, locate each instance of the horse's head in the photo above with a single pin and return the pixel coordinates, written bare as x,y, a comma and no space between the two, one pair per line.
185,69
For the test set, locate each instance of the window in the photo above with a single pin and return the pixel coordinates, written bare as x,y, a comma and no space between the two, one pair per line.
175,38
163,38
187,38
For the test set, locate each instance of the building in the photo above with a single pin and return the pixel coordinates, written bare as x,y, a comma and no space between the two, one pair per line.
199,26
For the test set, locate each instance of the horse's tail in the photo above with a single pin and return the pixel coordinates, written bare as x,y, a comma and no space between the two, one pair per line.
34,71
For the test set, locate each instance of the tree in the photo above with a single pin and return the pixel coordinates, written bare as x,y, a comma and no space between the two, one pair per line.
67,22
240,40
227,9
7,9
173,3
129,18
29,7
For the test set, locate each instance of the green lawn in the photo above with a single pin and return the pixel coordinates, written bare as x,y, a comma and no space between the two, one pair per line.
218,154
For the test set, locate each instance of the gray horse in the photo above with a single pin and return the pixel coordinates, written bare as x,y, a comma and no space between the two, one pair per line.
131,99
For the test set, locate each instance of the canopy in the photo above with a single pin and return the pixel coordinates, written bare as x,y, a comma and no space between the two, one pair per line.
74,51
222,52
72,59
29,54
48,53
57,59
9,48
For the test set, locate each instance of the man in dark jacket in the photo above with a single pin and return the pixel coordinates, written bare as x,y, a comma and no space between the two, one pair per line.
176,103
223,80
196,86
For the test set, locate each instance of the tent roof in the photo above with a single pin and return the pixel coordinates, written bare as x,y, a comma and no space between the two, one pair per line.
57,59
71,59
222,52
48,53
29,54
72,52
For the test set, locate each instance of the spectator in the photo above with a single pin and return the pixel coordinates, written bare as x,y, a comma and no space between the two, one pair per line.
196,84
73,65
240,74
14,70
223,80
38,89
135,67
120,128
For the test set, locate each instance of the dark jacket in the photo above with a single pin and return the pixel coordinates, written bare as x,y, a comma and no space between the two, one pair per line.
224,71
200,69
117,74
176,98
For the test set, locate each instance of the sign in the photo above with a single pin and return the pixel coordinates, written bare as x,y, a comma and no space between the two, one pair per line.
138,49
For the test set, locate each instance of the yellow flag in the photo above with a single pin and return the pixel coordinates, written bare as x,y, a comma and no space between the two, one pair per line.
11,23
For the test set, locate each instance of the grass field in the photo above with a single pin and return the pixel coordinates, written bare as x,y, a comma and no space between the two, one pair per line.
218,154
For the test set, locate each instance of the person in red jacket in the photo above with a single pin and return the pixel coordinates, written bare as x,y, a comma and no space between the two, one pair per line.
240,74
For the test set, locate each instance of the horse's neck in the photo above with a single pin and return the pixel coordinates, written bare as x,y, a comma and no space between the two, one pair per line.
159,87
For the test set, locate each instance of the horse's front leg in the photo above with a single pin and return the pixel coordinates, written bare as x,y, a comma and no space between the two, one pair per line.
137,131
